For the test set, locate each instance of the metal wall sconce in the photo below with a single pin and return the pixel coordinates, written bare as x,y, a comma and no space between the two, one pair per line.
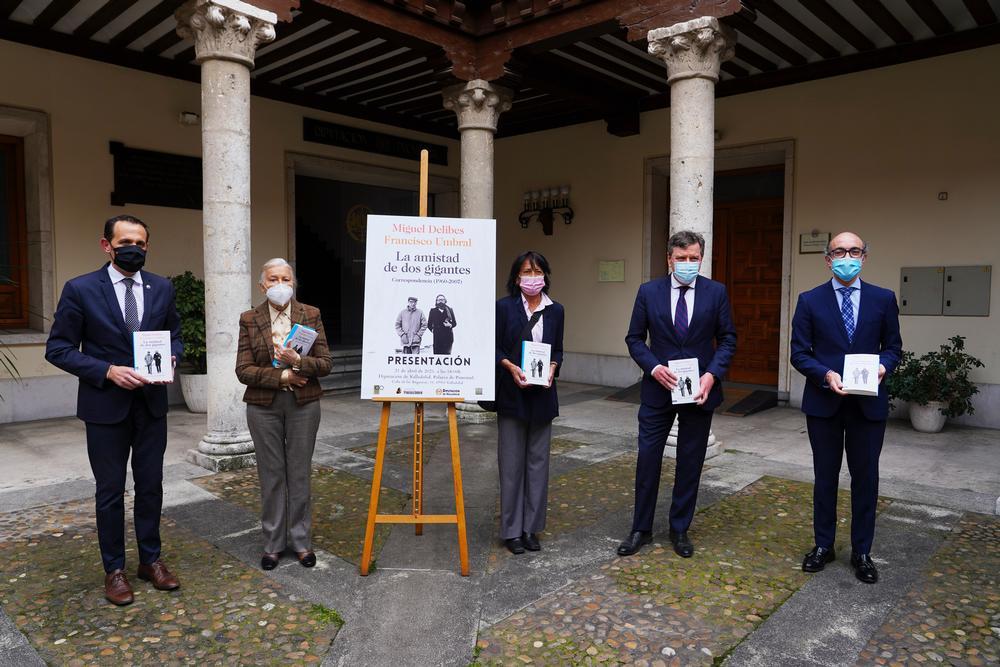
543,205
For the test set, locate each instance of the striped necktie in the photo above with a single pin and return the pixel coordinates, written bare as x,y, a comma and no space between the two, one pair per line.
681,314
131,307
847,311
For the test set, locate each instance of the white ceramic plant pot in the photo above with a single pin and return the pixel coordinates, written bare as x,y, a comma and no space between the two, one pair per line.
194,387
927,418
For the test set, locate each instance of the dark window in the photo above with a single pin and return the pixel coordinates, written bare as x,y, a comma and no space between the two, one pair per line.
13,236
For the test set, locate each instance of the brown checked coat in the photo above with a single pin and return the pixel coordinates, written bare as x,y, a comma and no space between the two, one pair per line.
255,355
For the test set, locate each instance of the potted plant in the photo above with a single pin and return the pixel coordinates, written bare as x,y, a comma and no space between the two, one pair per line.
192,373
936,385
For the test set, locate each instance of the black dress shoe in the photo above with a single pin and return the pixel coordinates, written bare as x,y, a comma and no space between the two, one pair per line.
515,545
269,561
682,545
864,568
634,542
306,558
531,542
817,559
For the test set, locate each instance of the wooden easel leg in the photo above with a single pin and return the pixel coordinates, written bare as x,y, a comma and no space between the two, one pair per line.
383,430
456,467
418,465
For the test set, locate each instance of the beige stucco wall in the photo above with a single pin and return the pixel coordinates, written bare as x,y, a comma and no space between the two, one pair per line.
92,103
872,151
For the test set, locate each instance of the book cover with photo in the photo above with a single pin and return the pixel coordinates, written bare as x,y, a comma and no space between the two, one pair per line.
861,374
300,339
688,380
151,356
535,359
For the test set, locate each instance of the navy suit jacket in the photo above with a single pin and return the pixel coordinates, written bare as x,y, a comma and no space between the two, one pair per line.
531,404
711,336
819,343
89,335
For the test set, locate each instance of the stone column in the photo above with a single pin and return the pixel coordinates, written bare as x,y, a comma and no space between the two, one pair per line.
478,105
693,51
226,34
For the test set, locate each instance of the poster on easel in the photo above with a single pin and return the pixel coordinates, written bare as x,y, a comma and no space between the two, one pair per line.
430,292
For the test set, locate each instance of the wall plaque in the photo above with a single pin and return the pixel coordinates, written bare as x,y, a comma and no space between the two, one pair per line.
332,134
155,178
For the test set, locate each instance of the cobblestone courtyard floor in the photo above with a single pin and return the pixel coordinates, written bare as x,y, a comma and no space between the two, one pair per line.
741,600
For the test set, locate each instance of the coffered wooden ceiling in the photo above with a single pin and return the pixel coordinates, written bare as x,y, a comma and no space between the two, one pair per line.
568,61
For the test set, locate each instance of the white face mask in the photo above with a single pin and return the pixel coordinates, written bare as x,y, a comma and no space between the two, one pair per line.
280,294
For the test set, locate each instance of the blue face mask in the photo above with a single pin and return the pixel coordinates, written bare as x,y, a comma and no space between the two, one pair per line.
686,272
846,268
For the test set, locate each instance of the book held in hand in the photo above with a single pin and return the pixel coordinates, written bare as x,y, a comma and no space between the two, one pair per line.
688,380
300,339
861,374
151,356
535,358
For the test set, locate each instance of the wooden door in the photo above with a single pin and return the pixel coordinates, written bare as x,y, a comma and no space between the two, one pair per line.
747,258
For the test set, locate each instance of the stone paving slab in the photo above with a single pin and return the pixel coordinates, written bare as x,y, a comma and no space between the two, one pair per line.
339,500
52,587
658,607
952,615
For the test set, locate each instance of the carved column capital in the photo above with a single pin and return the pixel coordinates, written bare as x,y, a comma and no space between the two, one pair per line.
477,103
693,49
225,29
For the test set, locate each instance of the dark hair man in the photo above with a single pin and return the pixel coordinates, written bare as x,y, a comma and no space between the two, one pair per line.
91,338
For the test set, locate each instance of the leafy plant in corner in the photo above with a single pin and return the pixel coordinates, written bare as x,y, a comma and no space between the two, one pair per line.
190,291
942,376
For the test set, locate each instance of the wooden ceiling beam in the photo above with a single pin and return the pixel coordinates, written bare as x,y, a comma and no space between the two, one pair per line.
733,69
795,28
640,79
103,16
822,10
339,65
885,20
7,7
751,57
293,47
766,39
368,70
931,15
981,11
356,40
657,71
154,17
55,11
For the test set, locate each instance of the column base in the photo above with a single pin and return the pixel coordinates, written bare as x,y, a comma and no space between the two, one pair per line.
221,462
471,413
715,447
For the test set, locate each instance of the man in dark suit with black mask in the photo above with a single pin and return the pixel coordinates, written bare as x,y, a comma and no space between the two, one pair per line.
125,414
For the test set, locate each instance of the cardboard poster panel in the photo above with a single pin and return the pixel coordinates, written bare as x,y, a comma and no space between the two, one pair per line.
430,292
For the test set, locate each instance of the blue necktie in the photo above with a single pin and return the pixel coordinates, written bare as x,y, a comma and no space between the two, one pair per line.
681,314
131,306
847,311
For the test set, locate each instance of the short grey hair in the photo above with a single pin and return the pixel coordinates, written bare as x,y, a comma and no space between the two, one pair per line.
683,239
274,263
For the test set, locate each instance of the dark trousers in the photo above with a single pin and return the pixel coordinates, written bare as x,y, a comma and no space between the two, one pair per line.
692,441
108,447
443,342
523,454
862,438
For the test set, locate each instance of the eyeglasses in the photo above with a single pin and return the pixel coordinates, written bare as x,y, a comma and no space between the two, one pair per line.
840,253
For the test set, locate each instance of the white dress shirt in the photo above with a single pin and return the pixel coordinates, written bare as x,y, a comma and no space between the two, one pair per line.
855,296
537,330
675,294
120,287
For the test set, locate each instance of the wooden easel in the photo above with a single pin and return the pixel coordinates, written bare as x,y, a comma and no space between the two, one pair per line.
417,517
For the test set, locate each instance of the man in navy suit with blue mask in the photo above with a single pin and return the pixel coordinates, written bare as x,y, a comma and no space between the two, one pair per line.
683,316
844,316
125,414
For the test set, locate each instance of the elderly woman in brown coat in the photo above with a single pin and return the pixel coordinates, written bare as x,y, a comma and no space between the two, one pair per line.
282,410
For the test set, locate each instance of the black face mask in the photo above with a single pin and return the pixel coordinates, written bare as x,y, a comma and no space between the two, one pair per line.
130,257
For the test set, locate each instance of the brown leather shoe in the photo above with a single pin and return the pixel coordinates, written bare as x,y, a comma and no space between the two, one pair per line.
161,577
306,558
117,589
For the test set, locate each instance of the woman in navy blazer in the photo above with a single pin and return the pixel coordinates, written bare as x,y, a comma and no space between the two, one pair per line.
524,411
